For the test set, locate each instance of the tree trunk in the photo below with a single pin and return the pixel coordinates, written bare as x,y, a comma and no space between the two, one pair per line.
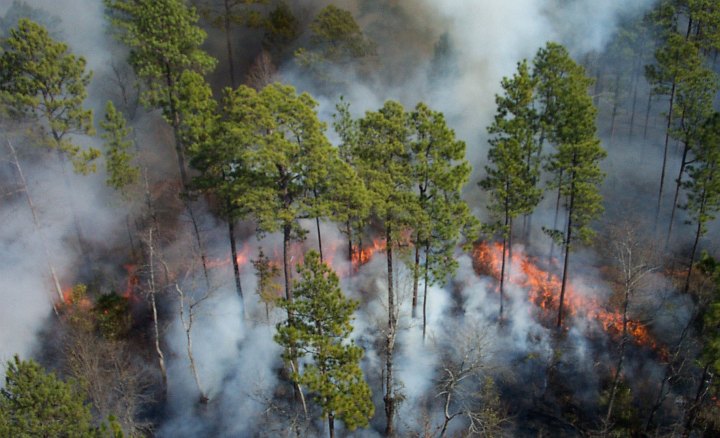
317,225
416,279
665,153
699,395
180,152
187,325
228,42
678,183
236,267
153,306
389,398
613,117
555,220
36,223
618,369
331,425
636,80
286,262
567,242
350,247
647,115
698,232
425,287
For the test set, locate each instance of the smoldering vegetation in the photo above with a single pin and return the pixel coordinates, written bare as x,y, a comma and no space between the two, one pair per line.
135,255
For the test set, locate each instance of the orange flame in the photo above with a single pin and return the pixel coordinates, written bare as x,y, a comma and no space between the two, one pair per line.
544,291
360,256
243,256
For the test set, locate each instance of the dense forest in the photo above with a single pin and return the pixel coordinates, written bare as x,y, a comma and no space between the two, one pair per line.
239,218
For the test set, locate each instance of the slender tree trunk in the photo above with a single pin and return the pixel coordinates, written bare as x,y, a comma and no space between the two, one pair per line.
636,80
665,153
286,262
425,287
678,183
647,115
671,372
153,306
389,398
613,117
618,369
236,266
416,279
228,42
568,240
555,220
350,247
331,425
698,232
180,152
699,396
317,226
36,223
187,325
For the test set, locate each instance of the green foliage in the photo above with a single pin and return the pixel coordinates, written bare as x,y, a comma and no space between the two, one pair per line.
336,39
514,152
319,330
703,183
164,41
34,403
711,321
237,12
382,158
44,82
568,121
281,29
268,289
118,158
440,170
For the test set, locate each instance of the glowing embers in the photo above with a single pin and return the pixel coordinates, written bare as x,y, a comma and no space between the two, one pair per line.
543,289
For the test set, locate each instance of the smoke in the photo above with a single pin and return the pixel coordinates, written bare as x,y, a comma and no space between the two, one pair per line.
237,360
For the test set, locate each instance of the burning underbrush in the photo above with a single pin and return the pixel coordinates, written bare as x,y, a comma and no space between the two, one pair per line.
543,291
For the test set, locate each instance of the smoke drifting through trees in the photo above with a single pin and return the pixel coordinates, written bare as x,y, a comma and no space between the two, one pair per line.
236,358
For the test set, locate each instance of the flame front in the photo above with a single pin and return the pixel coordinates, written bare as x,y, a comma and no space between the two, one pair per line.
361,255
543,290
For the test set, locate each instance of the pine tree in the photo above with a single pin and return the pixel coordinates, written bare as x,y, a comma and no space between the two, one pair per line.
34,403
164,43
439,172
383,160
40,80
319,333
703,185
118,158
575,163
515,170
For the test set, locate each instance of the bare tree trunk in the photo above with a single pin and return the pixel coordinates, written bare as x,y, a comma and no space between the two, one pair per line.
331,425
187,323
665,152
286,263
698,231
234,256
389,398
153,305
416,279
703,386
36,223
613,117
228,42
425,287
621,359
678,183
636,79
567,242
647,115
